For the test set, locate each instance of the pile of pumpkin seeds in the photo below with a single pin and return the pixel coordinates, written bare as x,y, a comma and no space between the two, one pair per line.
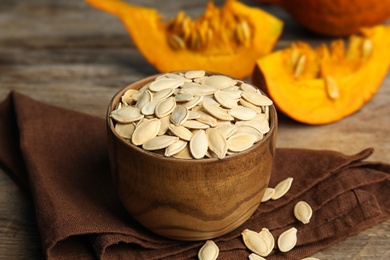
262,243
193,115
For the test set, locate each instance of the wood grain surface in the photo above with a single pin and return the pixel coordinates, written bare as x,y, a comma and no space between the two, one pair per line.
68,54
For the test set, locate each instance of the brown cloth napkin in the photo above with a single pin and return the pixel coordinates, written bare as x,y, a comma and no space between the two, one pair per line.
59,158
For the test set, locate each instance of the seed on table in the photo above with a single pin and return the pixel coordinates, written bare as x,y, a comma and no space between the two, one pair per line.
287,240
254,256
255,242
209,251
303,212
268,239
282,188
269,192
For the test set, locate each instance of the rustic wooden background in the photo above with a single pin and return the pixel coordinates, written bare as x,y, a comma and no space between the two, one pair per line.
68,54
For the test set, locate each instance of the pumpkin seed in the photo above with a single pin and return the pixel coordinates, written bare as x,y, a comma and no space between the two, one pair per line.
299,65
287,240
209,251
184,154
242,113
175,42
268,239
197,89
256,98
366,48
194,101
227,130
181,132
146,97
126,115
245,103
225,99
303,212
165,121
146,131
165,107
240,142
149,108
255,242
219,81
193,115
125,130
269,192
175,148
127,96
217,142
217,112
206,119
282,188
254,256
179,115
163,94
193,124
183,97
332,90
199,144
192,74
159,142
165,83
247,87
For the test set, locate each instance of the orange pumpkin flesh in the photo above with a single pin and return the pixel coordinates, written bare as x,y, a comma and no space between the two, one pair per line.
335,17
227,40
305,94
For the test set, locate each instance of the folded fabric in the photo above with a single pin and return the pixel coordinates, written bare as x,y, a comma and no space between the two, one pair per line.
59,157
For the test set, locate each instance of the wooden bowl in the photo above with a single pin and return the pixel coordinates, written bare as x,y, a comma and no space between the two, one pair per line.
189,199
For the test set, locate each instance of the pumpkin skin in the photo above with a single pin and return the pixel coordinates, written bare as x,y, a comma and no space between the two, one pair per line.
209,43
335,17
332,83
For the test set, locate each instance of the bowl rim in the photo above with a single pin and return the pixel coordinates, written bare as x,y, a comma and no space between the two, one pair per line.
273,121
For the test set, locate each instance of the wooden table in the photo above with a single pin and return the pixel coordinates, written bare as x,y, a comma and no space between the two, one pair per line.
68,54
